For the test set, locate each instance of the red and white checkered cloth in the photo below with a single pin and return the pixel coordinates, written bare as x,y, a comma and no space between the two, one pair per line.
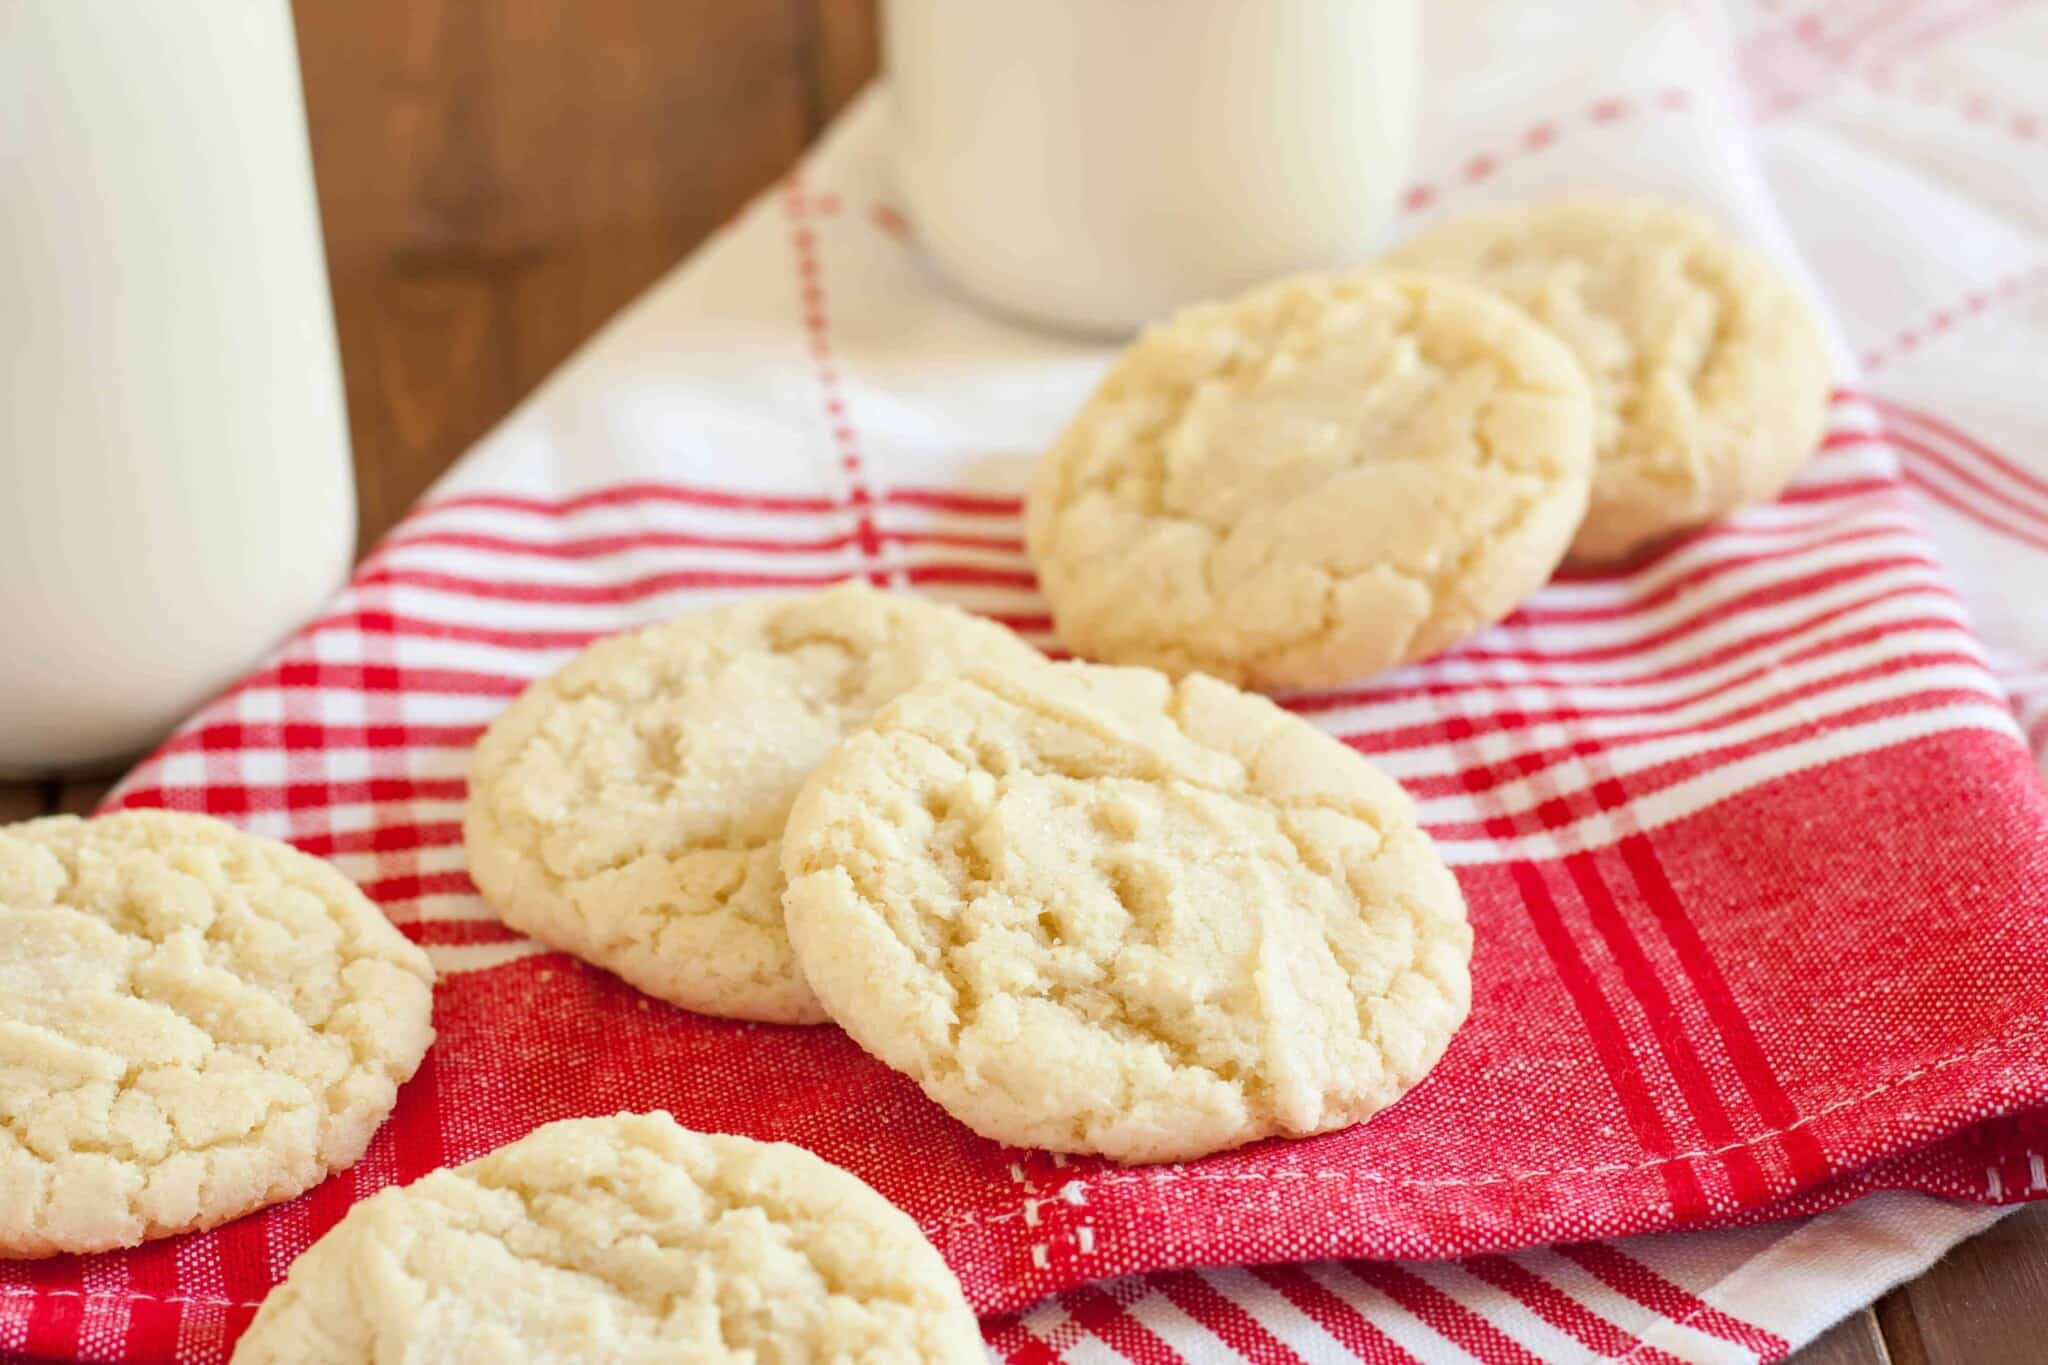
1756,852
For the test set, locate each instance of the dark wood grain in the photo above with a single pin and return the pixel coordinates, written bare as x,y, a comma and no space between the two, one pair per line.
1894,1316
498,177
25,800
1986,1302
1855,1340
847,53
81,798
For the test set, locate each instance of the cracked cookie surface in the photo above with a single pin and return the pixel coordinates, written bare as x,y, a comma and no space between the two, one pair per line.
628,809
621,1239
194,1023
1710,381
1093,910
1318,480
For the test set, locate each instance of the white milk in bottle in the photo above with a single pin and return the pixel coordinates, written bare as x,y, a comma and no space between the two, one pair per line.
175,490
1094,164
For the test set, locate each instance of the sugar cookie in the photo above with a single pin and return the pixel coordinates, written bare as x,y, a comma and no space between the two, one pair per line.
1320,479
1093,910
1710,382
194,1023
628,808
621,1239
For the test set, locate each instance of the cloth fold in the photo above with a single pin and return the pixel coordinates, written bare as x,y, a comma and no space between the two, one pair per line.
1754,842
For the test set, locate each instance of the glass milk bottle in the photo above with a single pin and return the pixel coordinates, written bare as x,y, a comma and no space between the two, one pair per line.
1094,164
175,488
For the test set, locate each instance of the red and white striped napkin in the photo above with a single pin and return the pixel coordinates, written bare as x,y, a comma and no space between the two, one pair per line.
1756,850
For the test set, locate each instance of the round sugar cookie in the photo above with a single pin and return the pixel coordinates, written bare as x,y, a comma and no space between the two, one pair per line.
1317,480
628,809
1093,910
1710,381
194,1023
623,1239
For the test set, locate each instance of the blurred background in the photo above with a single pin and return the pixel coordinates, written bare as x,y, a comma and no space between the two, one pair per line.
497,179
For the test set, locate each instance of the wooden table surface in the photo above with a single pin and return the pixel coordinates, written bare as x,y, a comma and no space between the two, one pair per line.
497,177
